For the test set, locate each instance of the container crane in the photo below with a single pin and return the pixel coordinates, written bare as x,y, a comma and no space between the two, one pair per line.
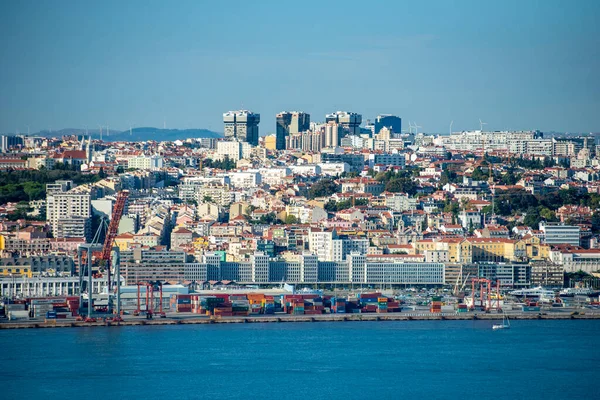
112,231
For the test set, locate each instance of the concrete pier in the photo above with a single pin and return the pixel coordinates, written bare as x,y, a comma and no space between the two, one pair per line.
188,320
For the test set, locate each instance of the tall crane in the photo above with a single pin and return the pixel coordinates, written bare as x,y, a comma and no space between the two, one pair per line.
113,228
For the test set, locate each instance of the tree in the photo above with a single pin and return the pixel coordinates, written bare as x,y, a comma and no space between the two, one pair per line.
290,220
120,170
207,199
448,177
478,175
34,190
323,188
451,206
401,185
547,214
101,173
267,219
532,219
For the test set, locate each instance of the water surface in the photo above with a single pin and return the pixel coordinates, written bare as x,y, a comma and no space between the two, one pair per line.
330,360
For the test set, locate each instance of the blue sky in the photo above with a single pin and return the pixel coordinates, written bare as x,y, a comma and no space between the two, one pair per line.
515,64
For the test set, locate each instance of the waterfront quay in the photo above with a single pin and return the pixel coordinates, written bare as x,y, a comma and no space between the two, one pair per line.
189,318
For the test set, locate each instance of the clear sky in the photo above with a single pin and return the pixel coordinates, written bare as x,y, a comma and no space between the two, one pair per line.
520,64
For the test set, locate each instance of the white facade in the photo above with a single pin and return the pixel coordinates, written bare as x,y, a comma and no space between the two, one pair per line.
63,208
332,169
556,233
245,179
146,162
234,150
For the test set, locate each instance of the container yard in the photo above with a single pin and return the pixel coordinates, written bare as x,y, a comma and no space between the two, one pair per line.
175,305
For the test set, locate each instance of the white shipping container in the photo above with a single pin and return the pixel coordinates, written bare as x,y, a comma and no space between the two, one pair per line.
14,315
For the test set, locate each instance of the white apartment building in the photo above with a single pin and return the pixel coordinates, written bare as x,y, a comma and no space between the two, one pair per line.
69,214
245,179
190,184
321,244
220,194
389,159
146,162
233,150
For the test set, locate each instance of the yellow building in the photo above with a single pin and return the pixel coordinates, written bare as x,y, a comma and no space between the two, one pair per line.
238,208
492,250
16,271
535,249
270,142
201,243
124,241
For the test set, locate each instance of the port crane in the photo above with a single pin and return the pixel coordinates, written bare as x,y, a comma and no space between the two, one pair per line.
87,251
485,288
151,289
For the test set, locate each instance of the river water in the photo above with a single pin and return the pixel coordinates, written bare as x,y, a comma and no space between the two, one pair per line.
331,360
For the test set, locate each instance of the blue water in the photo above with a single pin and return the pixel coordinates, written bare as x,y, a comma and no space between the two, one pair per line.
354,360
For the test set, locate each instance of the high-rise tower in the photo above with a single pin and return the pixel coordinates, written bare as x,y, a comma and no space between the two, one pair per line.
348,121
289,123
242,125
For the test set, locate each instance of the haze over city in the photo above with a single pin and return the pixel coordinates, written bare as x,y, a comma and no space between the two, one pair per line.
515,65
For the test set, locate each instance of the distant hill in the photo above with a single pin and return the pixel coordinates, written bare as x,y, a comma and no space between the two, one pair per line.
136,134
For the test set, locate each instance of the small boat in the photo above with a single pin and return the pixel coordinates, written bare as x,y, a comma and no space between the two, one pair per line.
505,324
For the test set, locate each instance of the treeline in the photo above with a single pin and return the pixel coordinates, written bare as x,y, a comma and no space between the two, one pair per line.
26,185
227,164
541,207
399,182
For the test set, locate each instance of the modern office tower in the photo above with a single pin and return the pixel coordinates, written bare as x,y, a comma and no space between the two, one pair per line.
289,122
389,121
349,121
9,142
332,135
242,126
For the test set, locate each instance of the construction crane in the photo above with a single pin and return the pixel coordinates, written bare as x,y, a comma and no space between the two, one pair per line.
112,231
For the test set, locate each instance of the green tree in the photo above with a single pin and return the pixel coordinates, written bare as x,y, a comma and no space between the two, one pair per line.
323,188
34,190
532,219
478,175
290,220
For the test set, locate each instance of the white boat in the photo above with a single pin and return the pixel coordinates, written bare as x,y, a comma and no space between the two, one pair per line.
505,324
533,293
572,292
